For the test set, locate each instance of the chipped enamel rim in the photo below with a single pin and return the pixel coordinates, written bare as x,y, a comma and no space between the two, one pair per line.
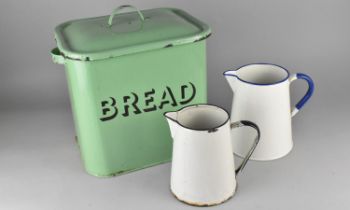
203,105
204,204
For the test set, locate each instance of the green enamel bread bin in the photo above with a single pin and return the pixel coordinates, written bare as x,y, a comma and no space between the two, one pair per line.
123,72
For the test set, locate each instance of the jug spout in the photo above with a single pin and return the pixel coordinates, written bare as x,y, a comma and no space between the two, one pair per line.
231,77
172,121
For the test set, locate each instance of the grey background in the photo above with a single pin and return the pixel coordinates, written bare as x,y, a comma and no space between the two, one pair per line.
40,166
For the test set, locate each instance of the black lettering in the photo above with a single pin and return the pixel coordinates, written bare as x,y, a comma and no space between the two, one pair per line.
134,105
165,100
111,108
183,95
148,100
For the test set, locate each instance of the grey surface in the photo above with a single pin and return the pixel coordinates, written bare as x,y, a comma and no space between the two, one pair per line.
40,167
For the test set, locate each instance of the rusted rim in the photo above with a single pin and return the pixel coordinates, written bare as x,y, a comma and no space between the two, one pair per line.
204,204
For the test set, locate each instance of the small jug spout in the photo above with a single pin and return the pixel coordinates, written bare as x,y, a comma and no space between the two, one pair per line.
231,77
172,121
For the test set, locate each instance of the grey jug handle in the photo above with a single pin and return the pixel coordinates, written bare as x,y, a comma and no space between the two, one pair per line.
255,143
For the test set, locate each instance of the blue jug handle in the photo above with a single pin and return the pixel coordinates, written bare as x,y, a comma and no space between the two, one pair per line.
308,94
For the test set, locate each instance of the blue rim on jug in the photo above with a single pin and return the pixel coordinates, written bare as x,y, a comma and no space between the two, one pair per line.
253,83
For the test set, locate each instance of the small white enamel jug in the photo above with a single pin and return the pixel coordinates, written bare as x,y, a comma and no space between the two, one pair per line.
261,94
202,172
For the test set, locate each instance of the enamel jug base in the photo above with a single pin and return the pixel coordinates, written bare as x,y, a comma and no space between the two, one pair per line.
204,204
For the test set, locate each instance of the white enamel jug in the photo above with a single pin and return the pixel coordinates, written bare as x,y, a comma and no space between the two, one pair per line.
202,172
261,94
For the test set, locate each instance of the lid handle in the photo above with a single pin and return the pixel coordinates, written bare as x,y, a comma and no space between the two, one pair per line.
117,11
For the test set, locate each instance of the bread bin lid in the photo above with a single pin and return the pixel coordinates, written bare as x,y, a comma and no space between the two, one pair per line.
125,33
